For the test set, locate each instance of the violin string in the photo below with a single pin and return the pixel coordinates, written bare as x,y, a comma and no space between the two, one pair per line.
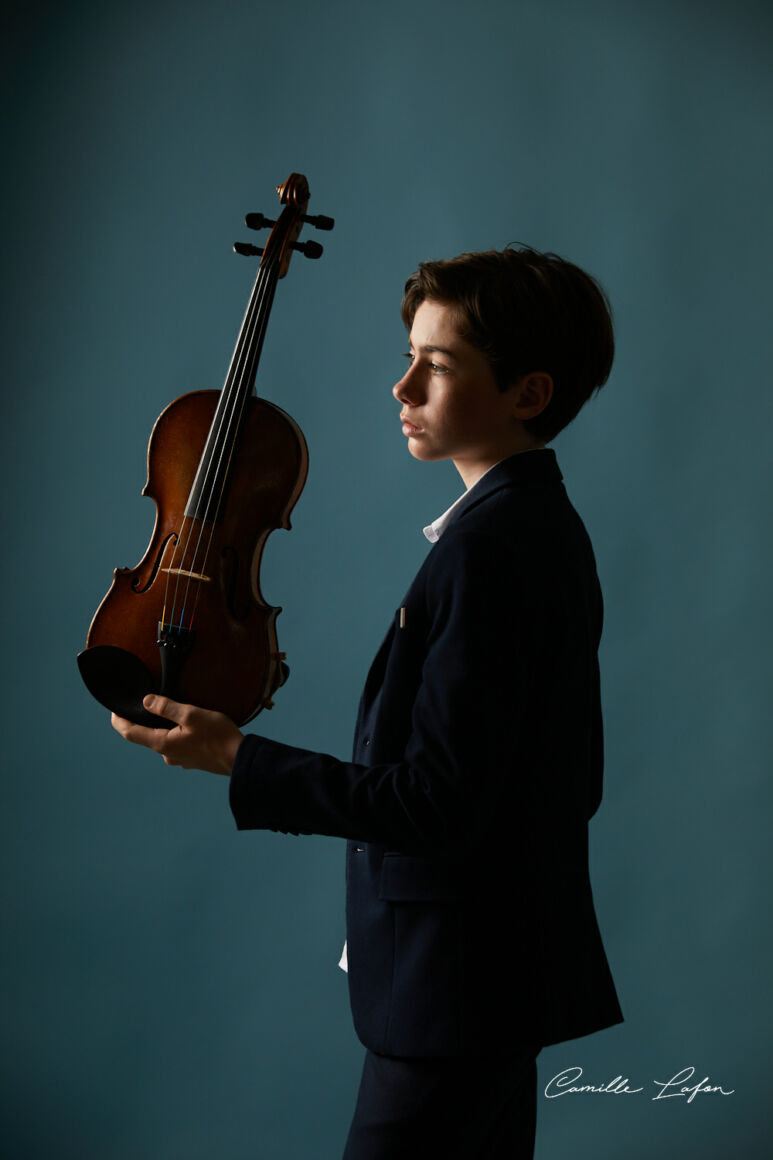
254,344
214,437
187,528
217,441
224,439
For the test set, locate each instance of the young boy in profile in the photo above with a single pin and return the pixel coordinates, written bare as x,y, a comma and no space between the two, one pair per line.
471,935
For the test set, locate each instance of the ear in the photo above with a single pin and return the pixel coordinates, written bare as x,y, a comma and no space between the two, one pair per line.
531,394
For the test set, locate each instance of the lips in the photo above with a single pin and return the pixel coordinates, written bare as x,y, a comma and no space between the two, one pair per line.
408,427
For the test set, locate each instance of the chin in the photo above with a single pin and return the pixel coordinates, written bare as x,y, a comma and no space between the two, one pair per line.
422,451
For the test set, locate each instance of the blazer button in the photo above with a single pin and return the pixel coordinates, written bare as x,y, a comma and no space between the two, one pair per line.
366,741
358,850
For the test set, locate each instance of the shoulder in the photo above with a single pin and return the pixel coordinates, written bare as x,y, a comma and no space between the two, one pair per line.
520,542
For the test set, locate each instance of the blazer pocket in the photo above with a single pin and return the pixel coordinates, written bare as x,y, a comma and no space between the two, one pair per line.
408,879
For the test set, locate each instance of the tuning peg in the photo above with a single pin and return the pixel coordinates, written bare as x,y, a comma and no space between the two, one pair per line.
320,222
308,249
257,221
246,250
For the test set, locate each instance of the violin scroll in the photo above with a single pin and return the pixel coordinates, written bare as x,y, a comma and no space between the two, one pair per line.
294,195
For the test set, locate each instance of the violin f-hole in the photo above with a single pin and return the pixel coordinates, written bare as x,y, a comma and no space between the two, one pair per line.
156,565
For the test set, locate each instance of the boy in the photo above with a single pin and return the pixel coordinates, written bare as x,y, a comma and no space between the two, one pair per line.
471,936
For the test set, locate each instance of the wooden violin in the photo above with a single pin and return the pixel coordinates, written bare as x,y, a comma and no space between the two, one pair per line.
225,468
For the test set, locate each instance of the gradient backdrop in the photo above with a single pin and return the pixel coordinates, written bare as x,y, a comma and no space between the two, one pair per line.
170,986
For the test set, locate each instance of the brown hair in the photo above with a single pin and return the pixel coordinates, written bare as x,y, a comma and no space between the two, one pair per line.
526,311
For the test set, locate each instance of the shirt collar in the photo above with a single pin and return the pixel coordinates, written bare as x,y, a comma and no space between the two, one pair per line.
435,530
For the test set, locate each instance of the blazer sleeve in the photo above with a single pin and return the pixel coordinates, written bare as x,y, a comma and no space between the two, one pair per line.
471,729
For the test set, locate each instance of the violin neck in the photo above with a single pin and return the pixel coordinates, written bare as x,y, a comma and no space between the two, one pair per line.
204,500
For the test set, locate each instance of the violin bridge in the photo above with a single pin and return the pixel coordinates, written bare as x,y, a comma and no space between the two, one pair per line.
190,575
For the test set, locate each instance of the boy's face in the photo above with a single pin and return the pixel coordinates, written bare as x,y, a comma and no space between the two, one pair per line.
452,407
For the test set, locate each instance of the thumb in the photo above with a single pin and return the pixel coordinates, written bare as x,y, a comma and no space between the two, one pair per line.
165,707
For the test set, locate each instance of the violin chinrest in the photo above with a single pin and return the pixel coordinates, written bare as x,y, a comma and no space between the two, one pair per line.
119,680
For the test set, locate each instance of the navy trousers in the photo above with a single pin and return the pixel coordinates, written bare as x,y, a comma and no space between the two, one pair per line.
473,1107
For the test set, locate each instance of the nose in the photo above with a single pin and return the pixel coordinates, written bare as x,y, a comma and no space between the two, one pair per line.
408,389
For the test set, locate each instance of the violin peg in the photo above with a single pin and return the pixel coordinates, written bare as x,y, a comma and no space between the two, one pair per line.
246,250
308,249
320,222
258,221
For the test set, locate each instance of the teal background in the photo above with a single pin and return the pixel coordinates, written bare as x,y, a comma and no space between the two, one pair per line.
170,988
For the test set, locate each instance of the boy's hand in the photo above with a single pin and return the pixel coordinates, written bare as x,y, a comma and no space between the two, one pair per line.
200,738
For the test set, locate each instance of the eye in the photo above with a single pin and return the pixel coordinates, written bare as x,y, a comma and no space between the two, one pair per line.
435,368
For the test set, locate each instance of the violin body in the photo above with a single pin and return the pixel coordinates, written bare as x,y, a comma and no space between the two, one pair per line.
238,666
225,468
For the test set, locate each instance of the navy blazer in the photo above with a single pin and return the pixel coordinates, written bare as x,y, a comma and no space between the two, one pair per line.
477,764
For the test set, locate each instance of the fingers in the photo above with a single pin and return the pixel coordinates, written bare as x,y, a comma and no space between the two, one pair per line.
166,707
201,739
139,734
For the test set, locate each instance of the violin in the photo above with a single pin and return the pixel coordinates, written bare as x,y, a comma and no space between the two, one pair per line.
225,468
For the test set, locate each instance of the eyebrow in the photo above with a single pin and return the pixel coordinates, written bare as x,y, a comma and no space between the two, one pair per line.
437,350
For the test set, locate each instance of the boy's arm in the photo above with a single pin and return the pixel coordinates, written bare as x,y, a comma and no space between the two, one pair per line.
470,730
